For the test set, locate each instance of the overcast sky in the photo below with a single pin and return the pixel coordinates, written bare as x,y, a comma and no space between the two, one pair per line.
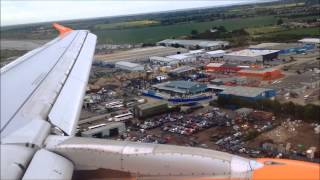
27,11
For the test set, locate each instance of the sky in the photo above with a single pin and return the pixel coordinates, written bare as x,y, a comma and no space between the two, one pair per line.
31,11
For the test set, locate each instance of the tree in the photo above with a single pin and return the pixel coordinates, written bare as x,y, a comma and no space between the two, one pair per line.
279,22
222,29
194,32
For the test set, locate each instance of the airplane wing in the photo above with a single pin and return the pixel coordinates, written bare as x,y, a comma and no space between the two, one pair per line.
43,90
41,98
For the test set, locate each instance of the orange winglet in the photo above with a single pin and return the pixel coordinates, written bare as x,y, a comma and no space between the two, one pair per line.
284,169
62,29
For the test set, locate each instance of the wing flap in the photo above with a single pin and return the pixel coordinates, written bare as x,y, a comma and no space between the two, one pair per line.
66,110
46,164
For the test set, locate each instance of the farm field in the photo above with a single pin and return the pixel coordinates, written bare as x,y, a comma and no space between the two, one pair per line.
123,25
264,30
157,33
313,31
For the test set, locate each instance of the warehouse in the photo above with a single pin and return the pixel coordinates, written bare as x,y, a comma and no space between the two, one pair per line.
250,93
181,88
251,56
264,74
181,71
198,52
222,67
139,54
194,44
163,61
214,54
186,57
128,66
285,48
150,109
105,130
315,41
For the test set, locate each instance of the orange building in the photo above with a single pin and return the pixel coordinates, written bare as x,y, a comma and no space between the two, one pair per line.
265,74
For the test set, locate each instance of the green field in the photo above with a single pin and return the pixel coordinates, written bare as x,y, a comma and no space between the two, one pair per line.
123,25
157,33
264,30
313,31
289,35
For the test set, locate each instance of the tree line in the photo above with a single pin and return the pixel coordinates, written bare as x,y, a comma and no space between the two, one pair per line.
308,113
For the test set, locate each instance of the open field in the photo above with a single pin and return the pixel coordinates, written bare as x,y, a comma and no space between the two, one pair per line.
264,30
157,33
291,5
313,31
124,25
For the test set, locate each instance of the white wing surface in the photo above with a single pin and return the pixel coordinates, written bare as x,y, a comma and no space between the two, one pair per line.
41,94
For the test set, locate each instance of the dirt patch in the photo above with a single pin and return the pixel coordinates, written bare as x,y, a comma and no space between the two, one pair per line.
300,135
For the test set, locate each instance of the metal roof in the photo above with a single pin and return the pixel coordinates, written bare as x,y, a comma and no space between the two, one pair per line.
216,52
215,64
182,84
252,52
110,125
182,69
179,86
162,59
243,91
128,64
179,56
310,40
152,104
196,51
264,45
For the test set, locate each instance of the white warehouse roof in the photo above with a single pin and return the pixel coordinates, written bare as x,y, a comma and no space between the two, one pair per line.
196,51
162,59
216,52
215,64
310,40
252,52
179,56
127,64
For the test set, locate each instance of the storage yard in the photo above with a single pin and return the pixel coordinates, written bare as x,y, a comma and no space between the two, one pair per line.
171,95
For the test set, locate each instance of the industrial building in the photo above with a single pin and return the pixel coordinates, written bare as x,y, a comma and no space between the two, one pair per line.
194,44
315,41
198,52
214,54
181,71
250,93
128,66
264,74
181,88
140,54
251,56
222,67
182,58
230,81
150,109
105,130
285,48
163,61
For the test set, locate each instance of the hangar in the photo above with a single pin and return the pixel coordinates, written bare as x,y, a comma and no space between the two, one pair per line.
251,56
